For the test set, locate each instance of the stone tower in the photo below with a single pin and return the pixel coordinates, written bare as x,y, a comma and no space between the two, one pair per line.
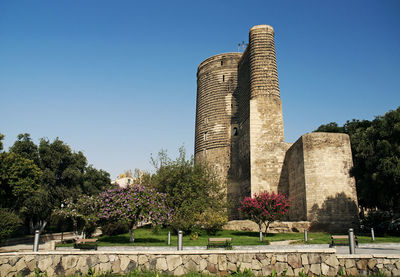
216,81
239,131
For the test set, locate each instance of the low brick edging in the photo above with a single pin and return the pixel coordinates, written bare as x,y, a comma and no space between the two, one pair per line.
221,262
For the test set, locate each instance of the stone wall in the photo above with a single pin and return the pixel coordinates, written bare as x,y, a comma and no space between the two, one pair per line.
331,197
311,262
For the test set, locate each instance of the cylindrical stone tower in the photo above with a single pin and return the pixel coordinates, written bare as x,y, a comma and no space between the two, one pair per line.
216,81
266,120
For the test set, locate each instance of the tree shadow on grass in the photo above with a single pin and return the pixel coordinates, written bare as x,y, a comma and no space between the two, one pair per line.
245,234
125,240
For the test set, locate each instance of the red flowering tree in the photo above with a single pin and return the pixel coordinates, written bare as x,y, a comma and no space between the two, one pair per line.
132,205
265,208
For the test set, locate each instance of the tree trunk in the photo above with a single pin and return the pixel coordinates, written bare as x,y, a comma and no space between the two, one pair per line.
131,235
261,233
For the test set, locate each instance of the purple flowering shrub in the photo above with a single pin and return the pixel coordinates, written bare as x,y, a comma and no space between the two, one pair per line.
133,205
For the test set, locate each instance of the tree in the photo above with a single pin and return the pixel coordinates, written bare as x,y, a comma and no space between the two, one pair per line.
191,189
133,205
25,147
84,213
9,222
265,208
19,179
64,174
1,142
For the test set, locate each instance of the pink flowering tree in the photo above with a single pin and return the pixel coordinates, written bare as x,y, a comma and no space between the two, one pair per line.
265,208
133,205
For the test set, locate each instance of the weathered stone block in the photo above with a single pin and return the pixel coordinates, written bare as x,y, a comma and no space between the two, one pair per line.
304,259
315,269
173,262
212,268
161,264
222,262
332,261
314,259
44,264
352,271
143,259
213,259
294,260
362,264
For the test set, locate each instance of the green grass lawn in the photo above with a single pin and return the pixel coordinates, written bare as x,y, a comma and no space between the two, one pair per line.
147,237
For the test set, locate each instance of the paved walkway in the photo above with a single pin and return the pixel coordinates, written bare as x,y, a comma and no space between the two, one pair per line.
364,248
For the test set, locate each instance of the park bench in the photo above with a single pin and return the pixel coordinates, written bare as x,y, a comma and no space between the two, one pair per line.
219,242
341,239
86,244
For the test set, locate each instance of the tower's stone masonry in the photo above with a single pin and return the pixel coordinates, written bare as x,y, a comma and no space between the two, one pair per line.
239,131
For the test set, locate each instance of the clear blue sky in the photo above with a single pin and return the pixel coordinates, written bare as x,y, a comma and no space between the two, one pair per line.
117,79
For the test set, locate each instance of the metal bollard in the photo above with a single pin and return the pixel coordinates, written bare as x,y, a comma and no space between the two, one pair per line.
36,241
351,241
180,243
261,236
372,234
305,235
169,237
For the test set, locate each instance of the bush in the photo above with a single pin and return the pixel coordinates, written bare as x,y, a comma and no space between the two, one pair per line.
114,228
379,220
193,190
9,222
212,221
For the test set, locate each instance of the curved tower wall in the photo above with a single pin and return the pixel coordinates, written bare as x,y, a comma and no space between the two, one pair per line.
267,147
216,81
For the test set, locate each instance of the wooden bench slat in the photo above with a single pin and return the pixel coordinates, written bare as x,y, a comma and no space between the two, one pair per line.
215,242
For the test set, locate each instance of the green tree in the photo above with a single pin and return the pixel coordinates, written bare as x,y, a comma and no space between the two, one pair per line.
9,222
63,174
25,147
19,179
1,142
83,212
192,190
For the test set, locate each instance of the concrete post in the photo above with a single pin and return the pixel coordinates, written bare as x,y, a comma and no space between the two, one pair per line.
351,241
372,234
305,235
169,237
36,241
261,236
180,239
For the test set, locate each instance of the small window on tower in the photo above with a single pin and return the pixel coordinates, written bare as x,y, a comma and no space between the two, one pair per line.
205,136
223,78
235,131
222,62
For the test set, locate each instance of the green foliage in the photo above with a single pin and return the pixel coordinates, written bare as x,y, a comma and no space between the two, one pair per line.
192,189
376,156
25,147
38,273
9,222
36,179
19,179
114,228
83,212
212,221
1,143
